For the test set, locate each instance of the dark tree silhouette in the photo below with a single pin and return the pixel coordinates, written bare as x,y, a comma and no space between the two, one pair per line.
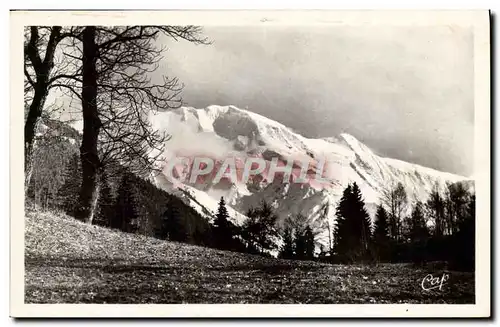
105,204
465,239
309,242
381,239
362,222
175,225
89,191
300,244
353,229
223,229
418,234
287,250
418,225
435,206
125,217
259,230
116,65
456,200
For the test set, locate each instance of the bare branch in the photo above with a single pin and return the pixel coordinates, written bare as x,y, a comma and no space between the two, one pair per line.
69,87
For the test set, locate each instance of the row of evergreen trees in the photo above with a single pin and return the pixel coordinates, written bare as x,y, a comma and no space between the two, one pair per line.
257,235
298,239
135,205
260,234
442,229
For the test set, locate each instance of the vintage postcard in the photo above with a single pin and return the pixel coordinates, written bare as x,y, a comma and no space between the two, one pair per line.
250,164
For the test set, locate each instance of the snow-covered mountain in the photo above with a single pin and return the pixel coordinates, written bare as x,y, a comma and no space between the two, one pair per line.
221,132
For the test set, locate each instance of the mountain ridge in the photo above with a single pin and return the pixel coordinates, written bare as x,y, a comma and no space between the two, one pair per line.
221,132
227,131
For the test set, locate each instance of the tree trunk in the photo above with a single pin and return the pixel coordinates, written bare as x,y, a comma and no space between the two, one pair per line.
30,128
95,199
41,90
91,125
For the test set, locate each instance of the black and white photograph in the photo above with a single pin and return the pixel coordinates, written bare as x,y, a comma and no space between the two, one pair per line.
264,161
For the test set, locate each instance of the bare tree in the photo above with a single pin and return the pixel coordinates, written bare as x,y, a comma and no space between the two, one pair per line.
40,44
108,70
435,206
456,200
117,97
395,201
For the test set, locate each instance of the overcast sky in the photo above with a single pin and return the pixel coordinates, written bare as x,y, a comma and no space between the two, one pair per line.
405,92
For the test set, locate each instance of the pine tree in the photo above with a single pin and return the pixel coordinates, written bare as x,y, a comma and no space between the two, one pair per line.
363,222
418,234
174,226
287,248
68,193
418,226
381,239
125,213
353,230
300,244
259,230
105,205
309,242
223,228
341,230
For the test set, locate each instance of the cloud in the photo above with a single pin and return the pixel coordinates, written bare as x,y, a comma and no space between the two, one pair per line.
407,92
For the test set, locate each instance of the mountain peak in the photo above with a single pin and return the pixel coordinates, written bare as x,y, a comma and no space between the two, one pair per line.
228,132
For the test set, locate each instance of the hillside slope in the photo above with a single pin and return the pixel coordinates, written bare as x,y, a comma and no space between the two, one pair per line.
69,262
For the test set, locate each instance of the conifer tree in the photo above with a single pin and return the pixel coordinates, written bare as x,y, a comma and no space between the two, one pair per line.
175,227
287,248
300,244
105,205
418,226
309,242
362,219
68,193
299,226
259,230
125,216
353,230
381,240
223,228
342,229
418,234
